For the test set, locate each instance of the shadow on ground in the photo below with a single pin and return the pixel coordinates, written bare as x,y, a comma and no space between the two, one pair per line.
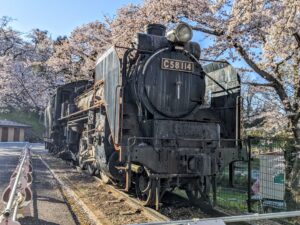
35,221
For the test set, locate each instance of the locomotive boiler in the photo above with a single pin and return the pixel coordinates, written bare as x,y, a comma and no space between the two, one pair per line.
153,119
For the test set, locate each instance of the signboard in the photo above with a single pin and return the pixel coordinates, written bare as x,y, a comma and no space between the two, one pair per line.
177,65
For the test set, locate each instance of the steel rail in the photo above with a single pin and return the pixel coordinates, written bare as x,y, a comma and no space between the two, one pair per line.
150,213
12,196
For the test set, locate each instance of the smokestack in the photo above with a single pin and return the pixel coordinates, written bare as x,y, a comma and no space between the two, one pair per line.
155,29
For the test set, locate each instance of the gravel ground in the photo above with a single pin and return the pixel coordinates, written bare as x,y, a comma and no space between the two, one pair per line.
48,206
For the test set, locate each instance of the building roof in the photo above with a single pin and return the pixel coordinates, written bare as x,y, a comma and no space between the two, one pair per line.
9,123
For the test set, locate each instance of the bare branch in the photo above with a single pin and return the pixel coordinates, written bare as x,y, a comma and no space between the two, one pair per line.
259,84
279,88
207,31
297,37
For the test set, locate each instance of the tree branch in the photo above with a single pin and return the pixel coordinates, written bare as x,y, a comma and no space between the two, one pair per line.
27,92
297,37
283,61
208,31
276,84
259,84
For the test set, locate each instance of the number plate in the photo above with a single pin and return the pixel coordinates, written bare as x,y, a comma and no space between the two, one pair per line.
178,65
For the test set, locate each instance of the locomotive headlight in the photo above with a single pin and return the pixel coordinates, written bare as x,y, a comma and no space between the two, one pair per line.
184,32
181,33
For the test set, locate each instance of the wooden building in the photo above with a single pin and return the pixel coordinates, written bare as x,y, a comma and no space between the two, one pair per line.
12,131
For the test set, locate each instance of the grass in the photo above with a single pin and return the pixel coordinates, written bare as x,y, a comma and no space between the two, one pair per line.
232,199
28,118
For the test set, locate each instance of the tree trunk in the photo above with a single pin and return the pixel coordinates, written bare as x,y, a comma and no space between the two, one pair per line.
292,159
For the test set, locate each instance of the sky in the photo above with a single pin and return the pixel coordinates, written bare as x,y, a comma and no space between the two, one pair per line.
59,17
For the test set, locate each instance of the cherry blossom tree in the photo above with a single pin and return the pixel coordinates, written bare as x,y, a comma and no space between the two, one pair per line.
25,79
32,68
262,113
75,56
10,40
21,88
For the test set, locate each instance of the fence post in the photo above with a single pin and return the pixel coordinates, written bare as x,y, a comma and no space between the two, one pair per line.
231,174
249,174
214,187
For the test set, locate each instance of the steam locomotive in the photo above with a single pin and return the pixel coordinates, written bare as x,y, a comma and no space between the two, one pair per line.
153,119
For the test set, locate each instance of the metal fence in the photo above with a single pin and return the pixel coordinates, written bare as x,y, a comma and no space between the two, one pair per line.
17,196
268,182
232,188
253,219
277,185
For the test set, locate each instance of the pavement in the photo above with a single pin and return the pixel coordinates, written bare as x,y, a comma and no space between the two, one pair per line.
48,206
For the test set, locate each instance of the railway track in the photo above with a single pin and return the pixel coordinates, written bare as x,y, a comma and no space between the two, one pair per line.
151,213
101,204
107,204
174,207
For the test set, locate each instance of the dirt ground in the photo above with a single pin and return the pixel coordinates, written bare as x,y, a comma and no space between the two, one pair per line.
48,206
105,205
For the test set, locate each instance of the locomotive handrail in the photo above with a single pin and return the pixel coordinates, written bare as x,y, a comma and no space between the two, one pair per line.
18,194
118,87
184,139
216,82
79,112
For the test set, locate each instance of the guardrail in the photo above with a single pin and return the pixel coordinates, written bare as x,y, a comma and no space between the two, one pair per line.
229,219
18,194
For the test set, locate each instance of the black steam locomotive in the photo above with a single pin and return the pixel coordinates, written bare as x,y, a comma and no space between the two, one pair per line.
153,117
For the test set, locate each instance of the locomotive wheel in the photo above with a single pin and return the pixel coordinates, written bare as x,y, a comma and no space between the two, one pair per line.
145,188
198,195
113,164
194,196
